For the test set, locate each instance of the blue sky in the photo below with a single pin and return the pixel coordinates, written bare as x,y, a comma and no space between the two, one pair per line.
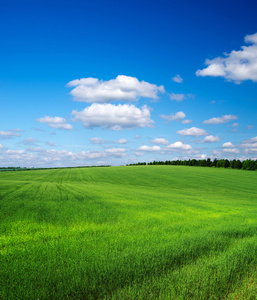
117,82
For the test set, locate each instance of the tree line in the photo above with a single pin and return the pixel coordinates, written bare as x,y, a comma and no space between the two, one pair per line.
2,169
247,164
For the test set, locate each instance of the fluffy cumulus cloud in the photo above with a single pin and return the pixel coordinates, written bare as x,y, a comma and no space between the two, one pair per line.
114,117
149,148
211,139
160,141
55,122
178,116
236,66
122,88
193,131
1,146
221,120
177,79
228,145
178,146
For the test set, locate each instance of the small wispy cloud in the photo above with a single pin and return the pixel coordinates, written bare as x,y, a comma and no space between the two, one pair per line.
221,120
9,134
177,79
121,141
97,140
30,141
160,141
55,122
178,116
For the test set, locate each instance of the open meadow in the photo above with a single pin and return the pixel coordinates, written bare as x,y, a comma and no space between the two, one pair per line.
142,232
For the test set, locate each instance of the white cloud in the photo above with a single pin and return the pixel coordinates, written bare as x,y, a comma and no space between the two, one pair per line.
249,126
97,140
35,149
177,97
116,152
139,153
231,151
249,145
228,145
114,117
149,148
235,125
160,141
177,79
89,155
186,121
178,146
251,151
221,120
211,139
1,146
121,141
236,66
122,88
55,122
14,151
61,126
178,116
8,134
180,97
193,131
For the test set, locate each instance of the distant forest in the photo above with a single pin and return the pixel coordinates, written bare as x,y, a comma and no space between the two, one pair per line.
53,168
217,163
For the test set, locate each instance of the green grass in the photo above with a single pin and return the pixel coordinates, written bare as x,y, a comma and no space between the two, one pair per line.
147,232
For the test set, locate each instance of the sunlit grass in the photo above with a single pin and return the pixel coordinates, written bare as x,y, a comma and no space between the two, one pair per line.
147,232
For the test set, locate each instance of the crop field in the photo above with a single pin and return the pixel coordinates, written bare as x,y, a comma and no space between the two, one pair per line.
142,232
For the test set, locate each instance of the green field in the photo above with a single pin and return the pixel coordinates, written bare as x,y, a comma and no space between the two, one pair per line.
146,232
